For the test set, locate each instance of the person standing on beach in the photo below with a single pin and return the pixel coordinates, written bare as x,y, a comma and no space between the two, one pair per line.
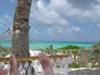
43,59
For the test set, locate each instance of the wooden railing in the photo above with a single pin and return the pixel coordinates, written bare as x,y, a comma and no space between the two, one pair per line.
6,59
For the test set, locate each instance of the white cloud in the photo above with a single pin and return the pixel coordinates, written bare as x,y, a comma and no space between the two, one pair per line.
12,0
45,15
65,8
99,1
55,16
36,31
91,15
73,30
57,31
77,29
49,18
5,20
98,25
61,6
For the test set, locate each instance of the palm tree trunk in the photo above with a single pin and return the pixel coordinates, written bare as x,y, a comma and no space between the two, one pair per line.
20,34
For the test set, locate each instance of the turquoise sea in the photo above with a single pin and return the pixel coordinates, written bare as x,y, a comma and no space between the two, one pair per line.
45,44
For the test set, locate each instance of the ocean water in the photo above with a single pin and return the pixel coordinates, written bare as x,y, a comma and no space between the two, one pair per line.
46,44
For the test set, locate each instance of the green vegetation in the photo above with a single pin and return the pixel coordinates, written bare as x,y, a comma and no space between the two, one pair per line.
4,51
70,47
74,65
97,45
73,49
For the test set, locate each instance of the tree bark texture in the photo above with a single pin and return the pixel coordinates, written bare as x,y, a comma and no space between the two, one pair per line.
20,32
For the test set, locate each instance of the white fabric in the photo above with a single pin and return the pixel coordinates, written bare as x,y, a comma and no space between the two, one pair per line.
63,66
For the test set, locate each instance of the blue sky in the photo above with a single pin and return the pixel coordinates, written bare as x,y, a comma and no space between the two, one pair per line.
59,20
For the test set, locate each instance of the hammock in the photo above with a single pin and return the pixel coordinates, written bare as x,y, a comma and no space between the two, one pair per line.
7,31
26,64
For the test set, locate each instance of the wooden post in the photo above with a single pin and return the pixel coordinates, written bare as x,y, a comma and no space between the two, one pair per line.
84,58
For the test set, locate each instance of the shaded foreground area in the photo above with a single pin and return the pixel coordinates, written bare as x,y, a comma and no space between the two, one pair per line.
85,72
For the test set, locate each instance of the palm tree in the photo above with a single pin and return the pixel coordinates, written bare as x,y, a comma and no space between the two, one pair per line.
20,32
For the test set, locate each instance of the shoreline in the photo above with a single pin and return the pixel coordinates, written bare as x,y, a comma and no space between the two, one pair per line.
46,44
